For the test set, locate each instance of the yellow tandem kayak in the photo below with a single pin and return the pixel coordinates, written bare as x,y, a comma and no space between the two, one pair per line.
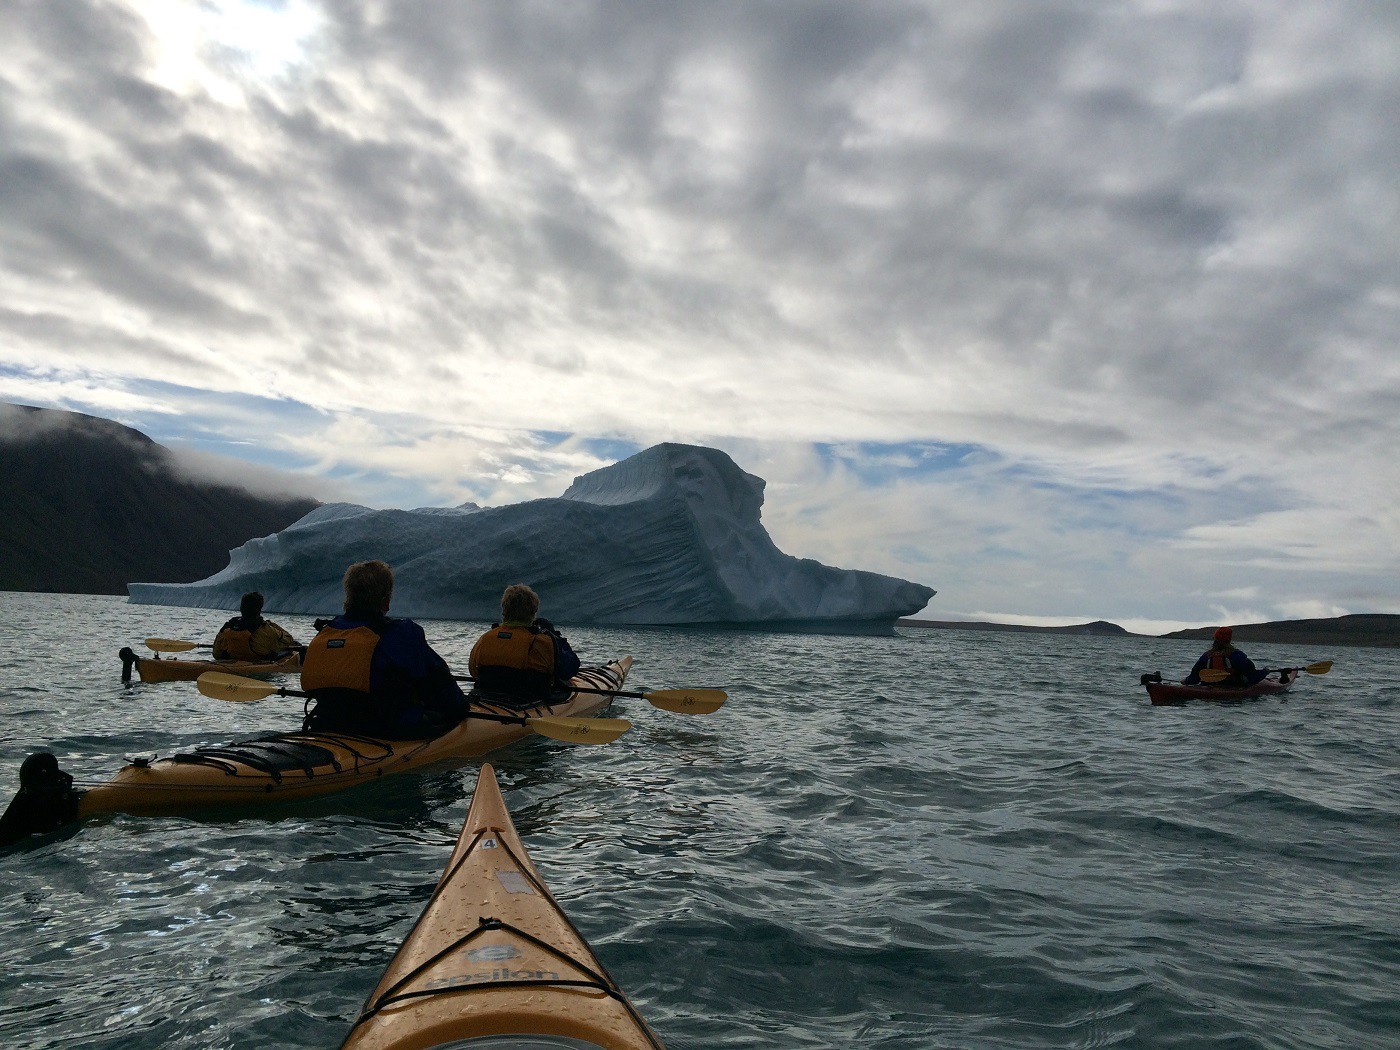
159,669
281,767
494,963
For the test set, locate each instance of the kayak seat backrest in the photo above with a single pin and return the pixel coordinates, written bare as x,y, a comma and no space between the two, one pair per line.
272,755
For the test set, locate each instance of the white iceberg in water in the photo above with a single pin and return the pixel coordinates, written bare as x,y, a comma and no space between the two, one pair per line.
668,536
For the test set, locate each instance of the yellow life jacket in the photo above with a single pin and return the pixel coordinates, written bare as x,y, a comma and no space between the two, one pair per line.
234,643
263,641
513,658
339,658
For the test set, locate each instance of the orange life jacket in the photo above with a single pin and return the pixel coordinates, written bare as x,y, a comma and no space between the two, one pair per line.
262,640
514,658
339,659
234,643
1219,660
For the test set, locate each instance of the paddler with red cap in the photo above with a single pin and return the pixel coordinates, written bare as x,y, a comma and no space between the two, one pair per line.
1222,656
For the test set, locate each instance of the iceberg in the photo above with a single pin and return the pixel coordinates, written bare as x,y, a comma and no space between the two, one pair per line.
670,536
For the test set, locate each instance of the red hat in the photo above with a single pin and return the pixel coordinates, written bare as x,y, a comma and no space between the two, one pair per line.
1223,634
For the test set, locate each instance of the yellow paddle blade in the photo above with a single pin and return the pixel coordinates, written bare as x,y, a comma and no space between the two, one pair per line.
222,686
169,645
1210,675
687,701
579,730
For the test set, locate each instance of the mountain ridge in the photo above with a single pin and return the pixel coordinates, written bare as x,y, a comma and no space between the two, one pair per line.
82,513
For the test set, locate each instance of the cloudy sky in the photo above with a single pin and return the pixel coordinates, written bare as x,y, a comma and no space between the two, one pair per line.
1071,310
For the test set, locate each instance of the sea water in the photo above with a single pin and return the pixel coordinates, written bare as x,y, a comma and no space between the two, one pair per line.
935,839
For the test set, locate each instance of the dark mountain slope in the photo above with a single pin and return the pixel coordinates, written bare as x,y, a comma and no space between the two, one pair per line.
89,504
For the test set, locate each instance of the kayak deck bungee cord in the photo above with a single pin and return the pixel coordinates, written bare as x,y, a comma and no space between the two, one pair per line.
493,963
285,767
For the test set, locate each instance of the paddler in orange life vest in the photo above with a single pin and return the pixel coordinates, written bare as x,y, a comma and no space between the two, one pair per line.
1222,656
249,637
370,674
521,657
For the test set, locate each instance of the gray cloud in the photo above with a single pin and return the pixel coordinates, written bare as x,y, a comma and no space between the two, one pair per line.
1118,245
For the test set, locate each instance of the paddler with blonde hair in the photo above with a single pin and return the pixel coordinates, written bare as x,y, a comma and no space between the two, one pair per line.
523,658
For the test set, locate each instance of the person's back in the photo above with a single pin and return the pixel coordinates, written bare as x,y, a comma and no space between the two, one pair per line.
1223,656
249,637
522,659
373,674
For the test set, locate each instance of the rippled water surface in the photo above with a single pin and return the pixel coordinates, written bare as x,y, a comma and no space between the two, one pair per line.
937,839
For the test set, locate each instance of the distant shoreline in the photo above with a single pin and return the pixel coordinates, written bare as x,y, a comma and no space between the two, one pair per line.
1366,629
1098,627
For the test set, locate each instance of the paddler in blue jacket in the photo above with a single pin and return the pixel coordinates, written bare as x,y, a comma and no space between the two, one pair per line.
523,657
1222,656
371,674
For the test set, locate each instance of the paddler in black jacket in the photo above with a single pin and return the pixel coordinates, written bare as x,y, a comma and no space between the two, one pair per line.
370,674
249,637
522,658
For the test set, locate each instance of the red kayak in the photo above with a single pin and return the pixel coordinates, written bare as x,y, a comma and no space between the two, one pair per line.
1161,692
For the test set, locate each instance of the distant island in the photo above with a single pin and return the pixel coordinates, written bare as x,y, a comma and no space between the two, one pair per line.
1372,629
1098,627
1376,629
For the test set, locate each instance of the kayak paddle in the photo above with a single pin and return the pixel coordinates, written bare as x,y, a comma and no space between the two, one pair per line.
1211,675
172,645
681,701
234,688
